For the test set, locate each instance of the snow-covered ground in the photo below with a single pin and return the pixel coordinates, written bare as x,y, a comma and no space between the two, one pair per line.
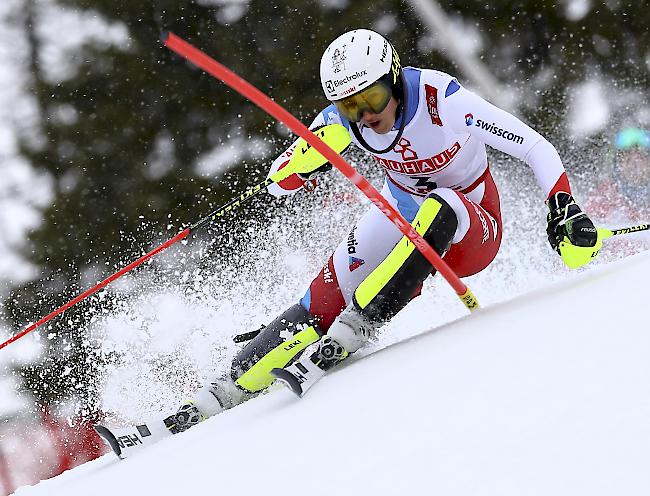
544,394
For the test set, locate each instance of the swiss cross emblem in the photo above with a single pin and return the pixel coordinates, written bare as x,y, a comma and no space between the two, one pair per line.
404,148
432,104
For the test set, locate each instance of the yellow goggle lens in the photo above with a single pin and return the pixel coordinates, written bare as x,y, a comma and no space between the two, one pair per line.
374,99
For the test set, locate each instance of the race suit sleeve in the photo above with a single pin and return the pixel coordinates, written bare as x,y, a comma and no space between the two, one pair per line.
466,112
293,183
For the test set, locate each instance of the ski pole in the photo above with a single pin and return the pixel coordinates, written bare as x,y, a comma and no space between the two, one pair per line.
225,75
577,256
608,233
305,159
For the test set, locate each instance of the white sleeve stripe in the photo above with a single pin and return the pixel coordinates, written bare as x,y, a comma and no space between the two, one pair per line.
546,164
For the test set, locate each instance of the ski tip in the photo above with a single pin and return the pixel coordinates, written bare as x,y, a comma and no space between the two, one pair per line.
108,436
288,379
164,36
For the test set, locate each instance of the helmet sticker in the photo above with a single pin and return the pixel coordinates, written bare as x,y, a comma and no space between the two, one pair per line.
395,65
338,59
384,51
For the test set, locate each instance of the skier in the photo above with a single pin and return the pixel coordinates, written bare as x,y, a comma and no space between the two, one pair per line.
429,134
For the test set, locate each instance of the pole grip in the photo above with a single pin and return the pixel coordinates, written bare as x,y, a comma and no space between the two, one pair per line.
627,230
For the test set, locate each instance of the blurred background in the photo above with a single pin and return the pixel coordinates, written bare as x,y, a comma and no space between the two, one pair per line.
110,145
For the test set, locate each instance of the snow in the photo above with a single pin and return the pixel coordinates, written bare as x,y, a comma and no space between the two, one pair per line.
22,190
590,111
576,10
544,394
223,157
59,54
25,351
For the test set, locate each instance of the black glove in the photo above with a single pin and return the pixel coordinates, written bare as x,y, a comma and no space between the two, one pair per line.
566,219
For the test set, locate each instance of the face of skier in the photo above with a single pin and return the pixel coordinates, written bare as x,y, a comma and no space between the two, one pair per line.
382,122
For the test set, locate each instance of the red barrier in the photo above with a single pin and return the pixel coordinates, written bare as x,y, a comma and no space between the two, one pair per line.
6,482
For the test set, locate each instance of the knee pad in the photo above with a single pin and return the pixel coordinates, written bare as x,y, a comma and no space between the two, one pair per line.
397,279
439,223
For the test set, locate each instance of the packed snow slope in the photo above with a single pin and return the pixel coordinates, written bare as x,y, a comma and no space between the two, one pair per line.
548,393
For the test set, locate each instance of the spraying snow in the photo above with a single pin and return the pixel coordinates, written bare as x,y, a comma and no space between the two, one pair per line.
521,398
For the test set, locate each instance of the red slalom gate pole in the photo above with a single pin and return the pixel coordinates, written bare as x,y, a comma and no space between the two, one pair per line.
181,235
219,71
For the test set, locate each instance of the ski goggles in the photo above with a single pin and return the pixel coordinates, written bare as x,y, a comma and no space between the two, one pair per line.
373,99
632,137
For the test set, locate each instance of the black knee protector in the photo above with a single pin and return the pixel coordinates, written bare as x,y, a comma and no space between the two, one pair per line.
396,280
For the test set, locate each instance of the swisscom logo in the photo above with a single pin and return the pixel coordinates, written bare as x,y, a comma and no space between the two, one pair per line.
494,129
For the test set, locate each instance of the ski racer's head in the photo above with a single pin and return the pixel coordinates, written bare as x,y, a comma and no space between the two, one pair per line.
360,73
632,162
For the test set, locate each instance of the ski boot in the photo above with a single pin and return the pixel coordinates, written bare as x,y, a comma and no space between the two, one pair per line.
208,401
349,332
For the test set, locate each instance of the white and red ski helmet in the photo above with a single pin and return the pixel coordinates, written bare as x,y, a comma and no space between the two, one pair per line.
354,61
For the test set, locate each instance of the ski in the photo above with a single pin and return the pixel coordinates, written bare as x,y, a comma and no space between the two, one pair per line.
300,376
126,441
